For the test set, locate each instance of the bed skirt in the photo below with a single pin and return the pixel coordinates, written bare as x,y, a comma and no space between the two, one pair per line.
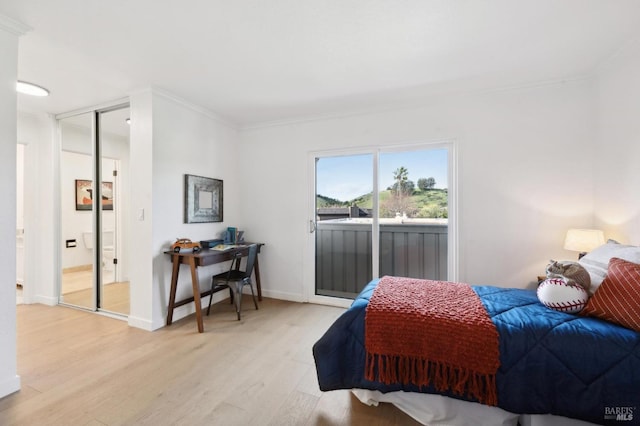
438,410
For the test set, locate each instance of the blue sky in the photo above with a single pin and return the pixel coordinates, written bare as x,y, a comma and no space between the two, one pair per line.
347,177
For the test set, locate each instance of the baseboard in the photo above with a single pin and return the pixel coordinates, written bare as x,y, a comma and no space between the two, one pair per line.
189,309
79,268
282,295
141,323
155,325
45,300
9,386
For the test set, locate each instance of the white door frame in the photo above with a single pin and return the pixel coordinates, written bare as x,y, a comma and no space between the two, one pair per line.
28,169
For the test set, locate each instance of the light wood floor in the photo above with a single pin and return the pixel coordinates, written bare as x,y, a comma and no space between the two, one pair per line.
79,368
77,289
81,278
115,298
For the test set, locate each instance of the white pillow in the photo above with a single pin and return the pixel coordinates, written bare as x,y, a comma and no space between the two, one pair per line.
596,261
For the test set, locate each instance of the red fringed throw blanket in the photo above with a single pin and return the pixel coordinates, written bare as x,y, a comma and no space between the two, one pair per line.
436,333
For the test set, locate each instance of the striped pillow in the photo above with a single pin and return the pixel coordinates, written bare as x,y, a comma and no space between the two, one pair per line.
618,297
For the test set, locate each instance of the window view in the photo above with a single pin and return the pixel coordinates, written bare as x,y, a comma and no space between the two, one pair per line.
412,211
343,241
414,184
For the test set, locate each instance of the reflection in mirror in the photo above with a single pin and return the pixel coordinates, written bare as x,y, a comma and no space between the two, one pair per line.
76,176
88,280
114,136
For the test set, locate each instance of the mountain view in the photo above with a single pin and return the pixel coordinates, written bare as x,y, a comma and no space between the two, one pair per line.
345,181
428,203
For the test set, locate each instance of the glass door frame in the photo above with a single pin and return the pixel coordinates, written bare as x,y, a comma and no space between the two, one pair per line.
96,210
309,273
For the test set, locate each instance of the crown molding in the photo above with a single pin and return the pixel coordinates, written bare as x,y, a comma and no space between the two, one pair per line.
417,102
12,26
194,107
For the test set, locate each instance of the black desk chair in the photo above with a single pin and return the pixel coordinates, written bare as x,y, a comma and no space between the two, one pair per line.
239,278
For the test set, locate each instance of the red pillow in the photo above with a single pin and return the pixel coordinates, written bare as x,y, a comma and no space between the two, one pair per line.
618,297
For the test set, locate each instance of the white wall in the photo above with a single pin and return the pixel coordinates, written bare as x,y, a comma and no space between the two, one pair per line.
76,163
9,379
36,132
617,165
529,166
170,139
20,186
20,214
525,176
142,288
74,222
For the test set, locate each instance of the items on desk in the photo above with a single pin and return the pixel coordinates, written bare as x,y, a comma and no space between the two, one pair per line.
223,247
185,244
207,244
233,236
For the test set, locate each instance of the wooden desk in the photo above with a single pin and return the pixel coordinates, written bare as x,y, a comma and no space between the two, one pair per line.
203,258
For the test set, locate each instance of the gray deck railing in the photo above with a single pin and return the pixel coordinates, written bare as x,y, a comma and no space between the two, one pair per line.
343,254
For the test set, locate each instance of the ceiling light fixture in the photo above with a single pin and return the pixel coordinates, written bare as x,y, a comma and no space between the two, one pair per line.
31,89
128,120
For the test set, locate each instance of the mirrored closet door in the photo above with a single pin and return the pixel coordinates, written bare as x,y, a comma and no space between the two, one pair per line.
94,162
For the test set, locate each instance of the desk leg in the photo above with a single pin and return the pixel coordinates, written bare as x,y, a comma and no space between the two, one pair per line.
259,287
174,286
196,293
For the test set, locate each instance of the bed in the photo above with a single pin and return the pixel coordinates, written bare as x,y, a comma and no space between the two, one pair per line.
554,369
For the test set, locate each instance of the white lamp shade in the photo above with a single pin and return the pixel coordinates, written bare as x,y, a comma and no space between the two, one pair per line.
583,240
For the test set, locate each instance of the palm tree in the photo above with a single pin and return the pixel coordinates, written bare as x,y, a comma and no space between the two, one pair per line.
401,176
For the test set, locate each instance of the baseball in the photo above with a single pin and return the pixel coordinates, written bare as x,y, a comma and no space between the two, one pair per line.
554,293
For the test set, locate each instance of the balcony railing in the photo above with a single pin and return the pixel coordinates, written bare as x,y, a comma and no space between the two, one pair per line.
409,248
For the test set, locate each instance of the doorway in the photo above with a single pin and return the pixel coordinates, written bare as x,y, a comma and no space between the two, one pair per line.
94,163
20,281
405,227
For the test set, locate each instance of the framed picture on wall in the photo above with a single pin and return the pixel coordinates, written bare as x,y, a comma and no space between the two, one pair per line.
84,195
107,195
202,199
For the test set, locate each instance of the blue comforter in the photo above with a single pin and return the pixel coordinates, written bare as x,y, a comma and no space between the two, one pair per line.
551,362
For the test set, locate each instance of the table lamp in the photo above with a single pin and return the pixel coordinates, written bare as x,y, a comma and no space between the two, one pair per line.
583,240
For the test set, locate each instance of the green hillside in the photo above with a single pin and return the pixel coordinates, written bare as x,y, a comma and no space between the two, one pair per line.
429,203
322,202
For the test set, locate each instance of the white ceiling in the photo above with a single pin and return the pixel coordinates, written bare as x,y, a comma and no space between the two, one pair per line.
253,61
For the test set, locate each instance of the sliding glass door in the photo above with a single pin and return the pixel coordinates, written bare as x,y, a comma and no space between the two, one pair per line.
401,228
414,213
93,169
343,225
